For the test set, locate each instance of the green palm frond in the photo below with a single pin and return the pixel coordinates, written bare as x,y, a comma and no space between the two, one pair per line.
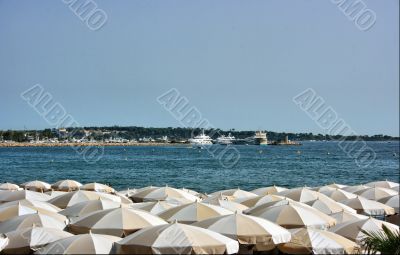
385,242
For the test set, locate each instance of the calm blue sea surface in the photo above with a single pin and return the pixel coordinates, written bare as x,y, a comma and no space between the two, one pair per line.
312,164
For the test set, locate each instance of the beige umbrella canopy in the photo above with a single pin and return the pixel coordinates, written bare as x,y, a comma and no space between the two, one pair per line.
87,207
8,196
117,222
153,207
34,204
315,241
66,185
295,215
383,184
230,205
246,229
176,238
256,201
268,190
26,240
224,202
263,206
195,193
376,193
81,244
344,216
124,199
36,186
234,194
338,194
19,209
98,187
9,186
3,241
164,193
55,193
72,198
12,211
336,186
355,188
301,194
353,229
329,206
128,192
190,213
396,189
392,201
368,207
28,220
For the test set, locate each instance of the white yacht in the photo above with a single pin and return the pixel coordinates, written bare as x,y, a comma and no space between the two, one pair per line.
225,140
260,138
201,139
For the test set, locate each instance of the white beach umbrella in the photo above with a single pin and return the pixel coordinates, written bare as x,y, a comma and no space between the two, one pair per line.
301,194
336,186
98,187
396,189
28,220
230,205
353,229
234,193
81,244
127,192
383,184
87,207
26,240
36,186
315,241
164,193
376,193
263,206
246,229
256,201
124,199
329,206
355,188
18,209
291,214
338,194
344,216
224,202
3,241
72,198
195,193
190,213
8,196
55,193
9,186
118,222
34,204
368,207
153,207
392,201
176,238
66,185
271,190
9,212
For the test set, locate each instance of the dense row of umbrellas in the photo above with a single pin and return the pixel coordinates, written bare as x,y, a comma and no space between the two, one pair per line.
68,217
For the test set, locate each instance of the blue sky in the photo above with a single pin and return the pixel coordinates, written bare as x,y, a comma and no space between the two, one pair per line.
239,62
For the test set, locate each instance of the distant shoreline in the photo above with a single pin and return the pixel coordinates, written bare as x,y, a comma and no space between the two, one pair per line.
16,144
130,144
